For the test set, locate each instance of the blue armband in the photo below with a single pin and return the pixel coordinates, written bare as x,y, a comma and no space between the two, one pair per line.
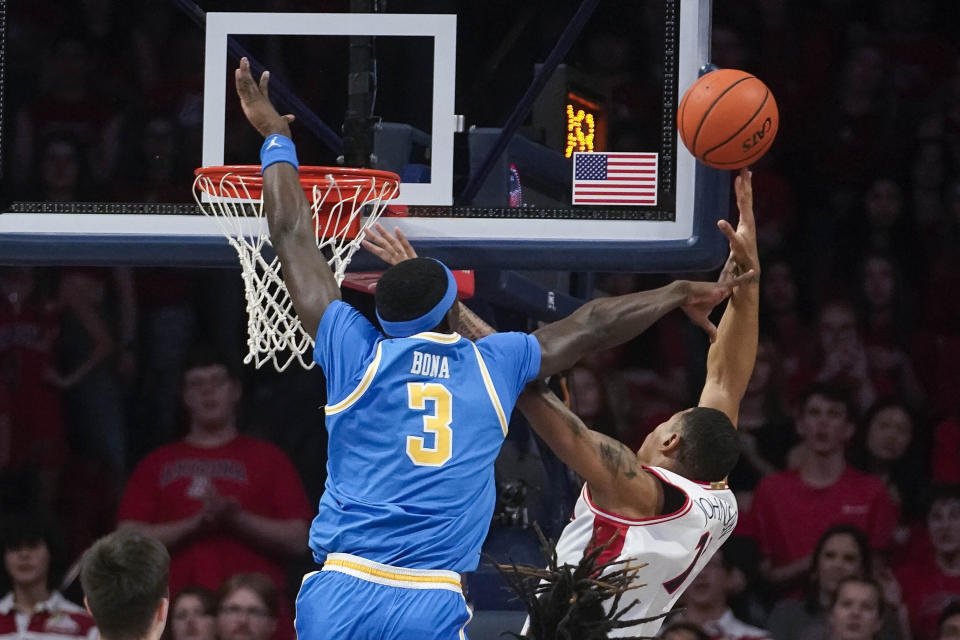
278,148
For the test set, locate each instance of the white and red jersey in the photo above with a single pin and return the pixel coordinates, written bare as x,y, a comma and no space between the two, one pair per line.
56,618
673,546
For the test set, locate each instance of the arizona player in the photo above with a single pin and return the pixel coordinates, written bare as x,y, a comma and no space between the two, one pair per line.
415,417
666,509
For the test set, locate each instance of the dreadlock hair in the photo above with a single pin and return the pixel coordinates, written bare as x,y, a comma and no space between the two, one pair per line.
568,602
709,447
409,289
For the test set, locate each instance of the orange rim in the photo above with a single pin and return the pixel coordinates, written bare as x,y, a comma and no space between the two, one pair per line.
347,181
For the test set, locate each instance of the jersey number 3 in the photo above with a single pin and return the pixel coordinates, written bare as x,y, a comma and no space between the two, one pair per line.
437,423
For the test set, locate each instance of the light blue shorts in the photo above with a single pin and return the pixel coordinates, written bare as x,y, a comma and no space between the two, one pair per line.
352,598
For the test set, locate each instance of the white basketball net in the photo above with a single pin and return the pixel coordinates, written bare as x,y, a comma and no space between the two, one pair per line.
274,333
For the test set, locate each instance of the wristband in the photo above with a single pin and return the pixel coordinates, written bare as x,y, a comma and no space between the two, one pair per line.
277,148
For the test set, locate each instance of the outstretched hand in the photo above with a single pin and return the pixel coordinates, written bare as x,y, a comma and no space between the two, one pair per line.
389,247
743,240
702,297
255,100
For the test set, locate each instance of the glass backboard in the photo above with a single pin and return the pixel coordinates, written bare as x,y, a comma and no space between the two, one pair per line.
526,135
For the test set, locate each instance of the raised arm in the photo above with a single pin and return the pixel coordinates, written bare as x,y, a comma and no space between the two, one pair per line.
607,322
731,357
306,274
609,467
597,325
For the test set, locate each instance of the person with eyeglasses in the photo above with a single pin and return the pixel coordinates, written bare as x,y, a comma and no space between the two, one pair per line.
222,501
247,605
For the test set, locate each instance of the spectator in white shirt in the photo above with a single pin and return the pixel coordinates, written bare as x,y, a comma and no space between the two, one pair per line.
32,608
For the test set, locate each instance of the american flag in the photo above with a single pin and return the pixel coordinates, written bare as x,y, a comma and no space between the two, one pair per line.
621,178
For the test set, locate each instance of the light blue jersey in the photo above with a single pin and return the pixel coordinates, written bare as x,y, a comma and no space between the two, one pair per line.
415,425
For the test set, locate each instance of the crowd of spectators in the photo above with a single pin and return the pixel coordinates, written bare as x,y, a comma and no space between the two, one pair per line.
850,467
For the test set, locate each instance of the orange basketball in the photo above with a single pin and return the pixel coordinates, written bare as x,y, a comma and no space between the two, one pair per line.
728,119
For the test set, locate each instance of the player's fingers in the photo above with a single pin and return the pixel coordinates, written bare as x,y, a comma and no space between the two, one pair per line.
744,277
402,247
289,117
737,245
378,237
392,240
373,234
388,244
374,249
744,188
731,262
386,247
408,249
729,268
745,206
243,78
247,69
727,230
264,85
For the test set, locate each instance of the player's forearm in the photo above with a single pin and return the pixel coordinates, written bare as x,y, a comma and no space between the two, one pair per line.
604,323
731,357
285,204
286,537
563,431
596,458
306,274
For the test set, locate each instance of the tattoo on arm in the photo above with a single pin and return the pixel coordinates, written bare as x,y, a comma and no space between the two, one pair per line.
599,459
617,458
575,426
611,457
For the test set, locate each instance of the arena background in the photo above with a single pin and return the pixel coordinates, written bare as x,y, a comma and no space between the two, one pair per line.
858,208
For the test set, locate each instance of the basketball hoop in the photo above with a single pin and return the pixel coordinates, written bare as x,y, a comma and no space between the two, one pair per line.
345,202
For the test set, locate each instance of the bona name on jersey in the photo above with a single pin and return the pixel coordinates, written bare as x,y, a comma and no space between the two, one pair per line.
429,364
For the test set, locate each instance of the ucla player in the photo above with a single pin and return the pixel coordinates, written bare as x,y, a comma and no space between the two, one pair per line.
415,417
665,509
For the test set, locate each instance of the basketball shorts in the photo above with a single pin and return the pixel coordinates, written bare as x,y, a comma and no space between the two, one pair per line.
352,598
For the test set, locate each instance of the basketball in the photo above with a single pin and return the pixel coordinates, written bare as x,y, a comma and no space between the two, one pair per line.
728,119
